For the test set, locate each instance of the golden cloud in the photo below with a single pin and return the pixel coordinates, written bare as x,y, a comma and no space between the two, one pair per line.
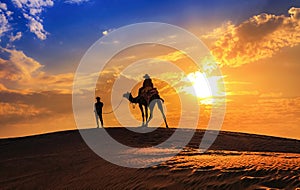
257,38
173,56
28,94
18,67
294,12
24,74
19,109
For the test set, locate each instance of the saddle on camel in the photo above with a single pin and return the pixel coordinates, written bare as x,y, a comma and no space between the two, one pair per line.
147,91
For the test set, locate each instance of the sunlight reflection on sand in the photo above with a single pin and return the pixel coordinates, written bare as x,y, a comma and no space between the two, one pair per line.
266,169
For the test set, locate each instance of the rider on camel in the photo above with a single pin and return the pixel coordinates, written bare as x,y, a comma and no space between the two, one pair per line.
147,90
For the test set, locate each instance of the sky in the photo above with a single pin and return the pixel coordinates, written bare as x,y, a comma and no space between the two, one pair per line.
255,43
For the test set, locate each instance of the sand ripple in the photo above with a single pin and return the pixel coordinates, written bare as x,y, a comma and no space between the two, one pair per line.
242,170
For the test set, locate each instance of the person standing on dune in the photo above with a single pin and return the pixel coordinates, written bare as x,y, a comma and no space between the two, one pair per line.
98,111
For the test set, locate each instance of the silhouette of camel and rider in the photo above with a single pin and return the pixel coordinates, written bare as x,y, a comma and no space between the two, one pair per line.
148,97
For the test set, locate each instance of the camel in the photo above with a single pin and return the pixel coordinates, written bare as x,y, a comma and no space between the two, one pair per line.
144,104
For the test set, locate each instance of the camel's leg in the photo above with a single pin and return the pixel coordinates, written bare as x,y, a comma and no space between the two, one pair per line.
146,117
146,111
142,110
160,107
151,106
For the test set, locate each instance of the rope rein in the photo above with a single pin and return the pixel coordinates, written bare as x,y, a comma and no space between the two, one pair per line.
133,106
114,108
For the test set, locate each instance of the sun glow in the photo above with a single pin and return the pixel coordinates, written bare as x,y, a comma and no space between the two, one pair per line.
199,85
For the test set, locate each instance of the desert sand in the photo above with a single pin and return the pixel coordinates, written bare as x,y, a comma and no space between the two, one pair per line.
62,160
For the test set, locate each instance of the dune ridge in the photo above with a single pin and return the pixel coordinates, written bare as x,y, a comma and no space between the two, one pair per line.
61,160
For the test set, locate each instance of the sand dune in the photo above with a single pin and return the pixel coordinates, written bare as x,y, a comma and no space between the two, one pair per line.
62,160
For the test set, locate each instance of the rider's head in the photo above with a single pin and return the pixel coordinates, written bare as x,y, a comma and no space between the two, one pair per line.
146,76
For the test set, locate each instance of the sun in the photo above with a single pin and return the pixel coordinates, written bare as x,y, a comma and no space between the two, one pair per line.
198,85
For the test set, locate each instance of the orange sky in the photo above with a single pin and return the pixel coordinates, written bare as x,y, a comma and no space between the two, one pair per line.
258,59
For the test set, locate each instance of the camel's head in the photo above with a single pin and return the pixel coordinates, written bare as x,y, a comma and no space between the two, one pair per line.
126,95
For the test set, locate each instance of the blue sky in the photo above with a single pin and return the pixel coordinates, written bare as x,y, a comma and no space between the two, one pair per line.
73,27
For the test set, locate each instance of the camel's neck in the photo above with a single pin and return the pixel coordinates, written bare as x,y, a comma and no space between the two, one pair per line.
132,99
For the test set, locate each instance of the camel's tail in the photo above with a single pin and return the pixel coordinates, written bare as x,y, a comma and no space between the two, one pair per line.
162,100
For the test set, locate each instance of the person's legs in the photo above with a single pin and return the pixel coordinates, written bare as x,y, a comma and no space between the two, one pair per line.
97,122
101,119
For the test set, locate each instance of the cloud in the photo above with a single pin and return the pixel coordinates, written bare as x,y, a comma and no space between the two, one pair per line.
19,67
31,10
3,6
76,1
276,116
36,27
105,32
36,107
295,13
16,37
18,109
259,37
3,88
23,73
4,25
34,7
28,95
173,56
271,95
